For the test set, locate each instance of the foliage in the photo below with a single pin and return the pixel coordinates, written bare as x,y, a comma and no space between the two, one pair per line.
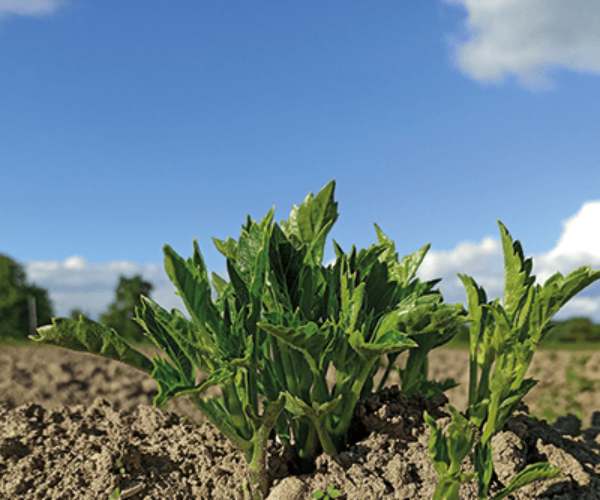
329,494
503,340
121,312
566,334
269,335
573,330
15,294
447,453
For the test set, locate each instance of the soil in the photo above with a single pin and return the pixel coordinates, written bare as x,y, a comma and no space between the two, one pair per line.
76,426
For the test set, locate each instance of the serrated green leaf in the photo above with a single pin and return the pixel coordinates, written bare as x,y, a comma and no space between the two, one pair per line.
535,472
227,248
517,272
241,291
484,466
253,238
215,378
88,336
557,291
285,265
461,437
309,339
420,315
317,411
175,336
390,342
310,222
191,280
219,284
169,379
405,270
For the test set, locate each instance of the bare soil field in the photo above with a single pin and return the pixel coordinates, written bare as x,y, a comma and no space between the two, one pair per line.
76,426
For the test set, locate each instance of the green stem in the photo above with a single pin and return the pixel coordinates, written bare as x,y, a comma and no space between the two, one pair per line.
349,402
415,371
288,368
386,374
257,486
474,333
311,445
490,424
225,428
325,438
483,391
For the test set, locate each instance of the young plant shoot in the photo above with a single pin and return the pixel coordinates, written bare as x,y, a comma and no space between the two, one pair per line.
268,335
506,337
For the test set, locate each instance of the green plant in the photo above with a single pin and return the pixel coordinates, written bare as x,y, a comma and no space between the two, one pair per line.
575,331
116,494
447,453
270,333
503,336
329,494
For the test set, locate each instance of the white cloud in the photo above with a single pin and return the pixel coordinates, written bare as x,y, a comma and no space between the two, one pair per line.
526,38
75,283
29,7
482,261
582,306
579,245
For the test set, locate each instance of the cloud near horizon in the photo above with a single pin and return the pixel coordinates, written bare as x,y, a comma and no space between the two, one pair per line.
527,39
29,7
76,283
578,245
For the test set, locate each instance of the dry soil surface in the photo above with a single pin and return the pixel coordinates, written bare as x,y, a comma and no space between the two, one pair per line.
76,426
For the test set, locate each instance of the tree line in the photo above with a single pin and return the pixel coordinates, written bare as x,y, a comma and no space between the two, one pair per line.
24,306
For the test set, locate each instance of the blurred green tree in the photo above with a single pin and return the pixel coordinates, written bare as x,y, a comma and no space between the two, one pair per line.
582,330
75,313
17,298
578,329
121,312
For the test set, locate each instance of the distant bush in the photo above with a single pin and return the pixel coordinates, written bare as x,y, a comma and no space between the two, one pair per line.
15,296
574,330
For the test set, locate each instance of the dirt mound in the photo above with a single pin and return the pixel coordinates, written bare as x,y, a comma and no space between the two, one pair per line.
78,426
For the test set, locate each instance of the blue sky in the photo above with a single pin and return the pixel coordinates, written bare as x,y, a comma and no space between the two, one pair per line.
128,125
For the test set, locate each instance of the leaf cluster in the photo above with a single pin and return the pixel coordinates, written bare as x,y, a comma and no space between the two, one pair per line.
503,337
270,333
